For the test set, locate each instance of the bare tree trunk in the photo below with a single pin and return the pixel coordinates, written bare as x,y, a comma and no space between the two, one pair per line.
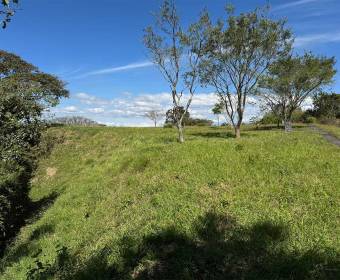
238,131
218,120
288,125
180,133
155,123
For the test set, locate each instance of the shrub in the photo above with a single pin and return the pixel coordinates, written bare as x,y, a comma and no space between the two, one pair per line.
310,120
25,92
13,200
168,125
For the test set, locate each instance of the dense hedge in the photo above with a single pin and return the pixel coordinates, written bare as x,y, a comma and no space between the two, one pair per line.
14,201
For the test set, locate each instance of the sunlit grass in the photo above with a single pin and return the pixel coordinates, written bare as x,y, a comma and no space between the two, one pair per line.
132,202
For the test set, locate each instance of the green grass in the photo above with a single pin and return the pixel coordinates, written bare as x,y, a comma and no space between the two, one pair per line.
132,203
332,129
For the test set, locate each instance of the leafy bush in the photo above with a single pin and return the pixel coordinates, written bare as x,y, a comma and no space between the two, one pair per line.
310,120
270,118
25,93
198,122
13,199
168,125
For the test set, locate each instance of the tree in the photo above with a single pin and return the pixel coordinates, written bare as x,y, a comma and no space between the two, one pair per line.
74,120
326,105
290,80
154,116
270,118
177,54
172,115
25,93
198,122
7,11
217,110
238,54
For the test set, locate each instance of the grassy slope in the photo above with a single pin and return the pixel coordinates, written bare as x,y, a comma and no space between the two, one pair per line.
134,203
332,129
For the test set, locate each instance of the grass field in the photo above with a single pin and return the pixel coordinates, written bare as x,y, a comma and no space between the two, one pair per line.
132,203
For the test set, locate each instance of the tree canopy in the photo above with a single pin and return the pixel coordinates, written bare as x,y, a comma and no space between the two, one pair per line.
290,80
327,105
7,11
238,53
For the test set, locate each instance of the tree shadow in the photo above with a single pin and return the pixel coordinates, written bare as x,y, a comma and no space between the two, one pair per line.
218,248
215,134
222,249
34,212
37,208
41,231
272,127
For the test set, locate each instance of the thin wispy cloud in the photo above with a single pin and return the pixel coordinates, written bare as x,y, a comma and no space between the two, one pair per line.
320,38
126,67
293,4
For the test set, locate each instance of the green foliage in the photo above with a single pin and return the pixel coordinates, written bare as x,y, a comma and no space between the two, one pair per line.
290,80
132,203
24,93
311,120
172,115
198,122
270,118
168,125
217,109
326,105
7,11
238,53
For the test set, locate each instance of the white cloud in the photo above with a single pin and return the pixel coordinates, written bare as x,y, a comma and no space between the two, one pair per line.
317,39
293,4
70,109
129,110
307,104
96,110
90,99
130,66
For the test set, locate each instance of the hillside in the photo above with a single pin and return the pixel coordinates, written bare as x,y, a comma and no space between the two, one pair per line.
132,203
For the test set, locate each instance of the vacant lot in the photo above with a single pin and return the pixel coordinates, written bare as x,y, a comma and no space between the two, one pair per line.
132,203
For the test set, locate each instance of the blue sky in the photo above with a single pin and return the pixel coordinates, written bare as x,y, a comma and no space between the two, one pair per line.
96,47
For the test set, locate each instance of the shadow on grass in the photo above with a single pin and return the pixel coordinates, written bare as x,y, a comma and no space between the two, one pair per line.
271,127
36,209
220,134
219,249
33,211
